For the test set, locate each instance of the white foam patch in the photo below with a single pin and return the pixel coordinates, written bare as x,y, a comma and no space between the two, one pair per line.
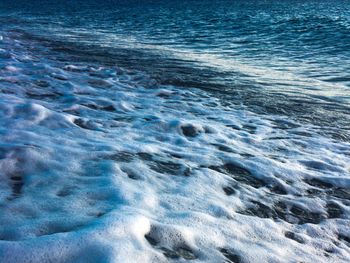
96,167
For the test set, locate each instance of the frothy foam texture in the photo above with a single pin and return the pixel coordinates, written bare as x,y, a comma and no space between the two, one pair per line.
100,164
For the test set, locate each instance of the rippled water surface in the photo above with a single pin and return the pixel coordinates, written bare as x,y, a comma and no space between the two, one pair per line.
156,131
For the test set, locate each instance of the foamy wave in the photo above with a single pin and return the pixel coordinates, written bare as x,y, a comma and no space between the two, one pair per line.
97,167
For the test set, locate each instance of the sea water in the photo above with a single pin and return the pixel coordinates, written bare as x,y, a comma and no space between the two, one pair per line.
157,131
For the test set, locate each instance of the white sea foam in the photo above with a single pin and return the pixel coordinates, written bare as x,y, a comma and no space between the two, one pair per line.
97,168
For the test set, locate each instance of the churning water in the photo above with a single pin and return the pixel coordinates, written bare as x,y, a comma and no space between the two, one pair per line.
155,131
